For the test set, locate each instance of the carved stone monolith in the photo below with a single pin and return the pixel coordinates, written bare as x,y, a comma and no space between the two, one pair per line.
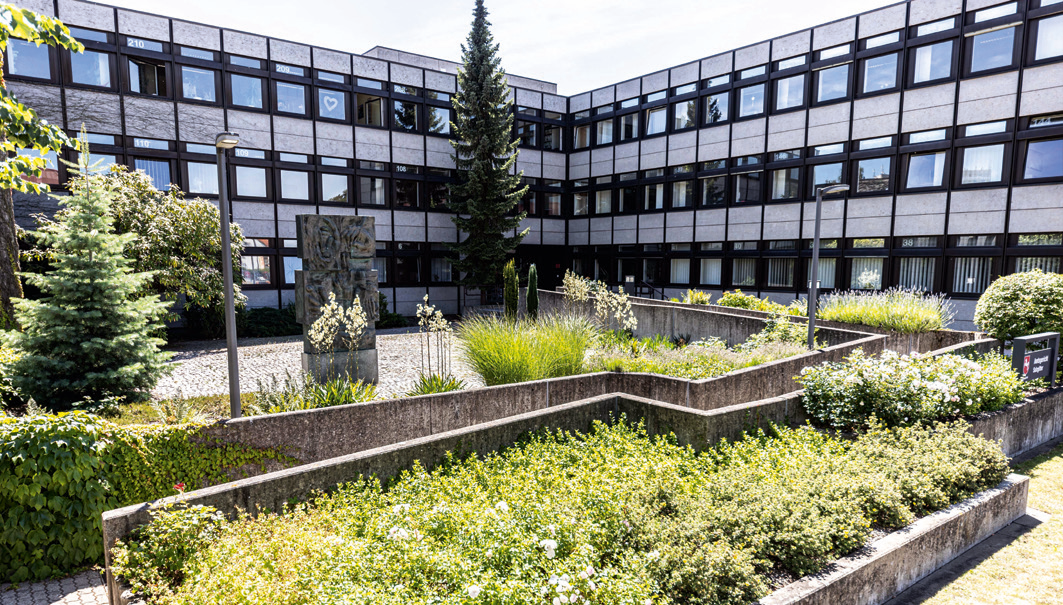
337,253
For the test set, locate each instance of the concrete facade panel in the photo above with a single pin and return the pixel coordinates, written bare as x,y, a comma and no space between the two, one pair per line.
194,34
334,140
240,43
254,128
654,82
923,11
628,89
684,74
410,76
329,60
288,52
86,14
434,80
150,118
199,123
751,56
369,68
792,45
833,34
882,21
717,65
290,134
49,106
98,111
142,25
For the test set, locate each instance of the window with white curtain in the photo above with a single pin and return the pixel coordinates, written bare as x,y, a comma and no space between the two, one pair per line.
780,273
711,271
603,201
654,197
744,272
916,273
982,164
790,92
866,273
250,181
202,178
1048,264
827,270
926,170
682,194
971,275
442,270
158,170
680,271
1049,38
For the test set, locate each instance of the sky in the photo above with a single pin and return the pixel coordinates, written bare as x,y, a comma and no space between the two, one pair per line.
578,44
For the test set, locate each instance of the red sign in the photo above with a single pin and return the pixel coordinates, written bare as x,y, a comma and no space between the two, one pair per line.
1026,366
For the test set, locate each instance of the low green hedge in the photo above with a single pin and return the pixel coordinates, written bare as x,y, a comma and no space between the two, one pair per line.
610,517
907,389
59,473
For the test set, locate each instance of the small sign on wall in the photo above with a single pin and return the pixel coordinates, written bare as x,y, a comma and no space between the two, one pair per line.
1041,363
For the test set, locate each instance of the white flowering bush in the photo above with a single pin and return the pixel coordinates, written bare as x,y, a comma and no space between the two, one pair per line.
577,290
610,518
613,310
907,389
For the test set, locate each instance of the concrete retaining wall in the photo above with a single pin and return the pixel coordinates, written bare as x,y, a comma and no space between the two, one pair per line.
1022,426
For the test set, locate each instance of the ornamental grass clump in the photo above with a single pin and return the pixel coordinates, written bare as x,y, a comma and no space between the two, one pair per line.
611,517
505,352
897,309
901,390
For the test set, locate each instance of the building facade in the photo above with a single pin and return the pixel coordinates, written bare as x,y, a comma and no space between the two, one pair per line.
945,118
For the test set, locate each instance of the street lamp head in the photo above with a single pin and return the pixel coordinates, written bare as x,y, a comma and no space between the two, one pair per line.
227,140
833,189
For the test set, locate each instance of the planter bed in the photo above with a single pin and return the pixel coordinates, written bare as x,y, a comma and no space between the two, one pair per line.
940,536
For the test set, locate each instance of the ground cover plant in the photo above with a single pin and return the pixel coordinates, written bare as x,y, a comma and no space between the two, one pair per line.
896,309
612,517
907,389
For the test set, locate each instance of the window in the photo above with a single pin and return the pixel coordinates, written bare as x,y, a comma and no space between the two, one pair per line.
974,241
629,126
655,96
551,137
581,203
1040,239
926,170
826,174
791,62
753,72
442,270
747,187
407,194
403,89
250,181
716,107
372,191
833,83
50,173
878,143
158,170
380,265
256,270
831,149
780,273
883,40
786,184
790,92
1048,264
992,50
197,84
331,104
836,51
246,91
682,194
996,12
751,101
526,133
685,114
873,175
711,271
328,76
866,273
680,271
603,202
1044,159
982,164
197,53
147,78
553,204
370,109
971,275
916,273
202,178
291,265
1049,38
935,27
333,187
582,136
975,130
718,81
827,271
404,116
653,198
656,120
713,191
91,68
880,73
28,60
603,132
295,185
933,62
927,136
744,272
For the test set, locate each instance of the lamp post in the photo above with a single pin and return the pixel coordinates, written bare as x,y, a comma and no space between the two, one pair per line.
813,284
224,142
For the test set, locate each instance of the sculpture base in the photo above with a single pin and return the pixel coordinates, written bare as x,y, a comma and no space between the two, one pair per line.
352,365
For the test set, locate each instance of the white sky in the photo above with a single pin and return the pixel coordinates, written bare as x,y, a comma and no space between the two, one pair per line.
579,44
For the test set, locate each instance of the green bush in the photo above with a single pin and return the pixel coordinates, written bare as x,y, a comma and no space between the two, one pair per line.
739,300
613,516
59,473
9,396
896,309
903,390
532,300
267,322
389,319
1021,304
504,352
697,297
429,384
511,289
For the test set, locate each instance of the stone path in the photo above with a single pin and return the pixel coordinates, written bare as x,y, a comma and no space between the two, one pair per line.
85,588
201,368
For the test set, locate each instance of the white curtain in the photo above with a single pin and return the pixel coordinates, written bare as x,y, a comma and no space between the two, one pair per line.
744,272
1048,264
711,271
826,272
866,274
971,274
680,271
982,164
916,273
1049,38
780,272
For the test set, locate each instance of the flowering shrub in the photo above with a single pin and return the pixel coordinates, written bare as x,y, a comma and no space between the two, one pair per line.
907,389
613,310
613,517
740,300
697,297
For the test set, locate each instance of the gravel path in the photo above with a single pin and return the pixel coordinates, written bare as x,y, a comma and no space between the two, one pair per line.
201,368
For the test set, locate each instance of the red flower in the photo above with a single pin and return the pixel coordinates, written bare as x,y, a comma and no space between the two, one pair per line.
180,487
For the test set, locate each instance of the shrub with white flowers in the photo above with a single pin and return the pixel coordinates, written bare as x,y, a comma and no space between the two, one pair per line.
903,390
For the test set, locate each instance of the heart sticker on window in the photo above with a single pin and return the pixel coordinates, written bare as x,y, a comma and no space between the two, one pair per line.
331,103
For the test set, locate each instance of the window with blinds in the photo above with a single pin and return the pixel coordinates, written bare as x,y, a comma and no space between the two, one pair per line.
711,271
916,273
157,170
680,271
780,273
866,273
971,275
1048,264
827,270
744,272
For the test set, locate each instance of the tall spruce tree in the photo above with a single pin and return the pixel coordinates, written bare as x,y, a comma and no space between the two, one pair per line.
90,335
485,153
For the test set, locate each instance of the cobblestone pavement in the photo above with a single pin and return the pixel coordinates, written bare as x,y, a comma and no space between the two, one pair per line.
202,366
85,588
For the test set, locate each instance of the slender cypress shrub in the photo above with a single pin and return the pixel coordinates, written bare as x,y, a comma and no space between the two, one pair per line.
509,278
533,293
